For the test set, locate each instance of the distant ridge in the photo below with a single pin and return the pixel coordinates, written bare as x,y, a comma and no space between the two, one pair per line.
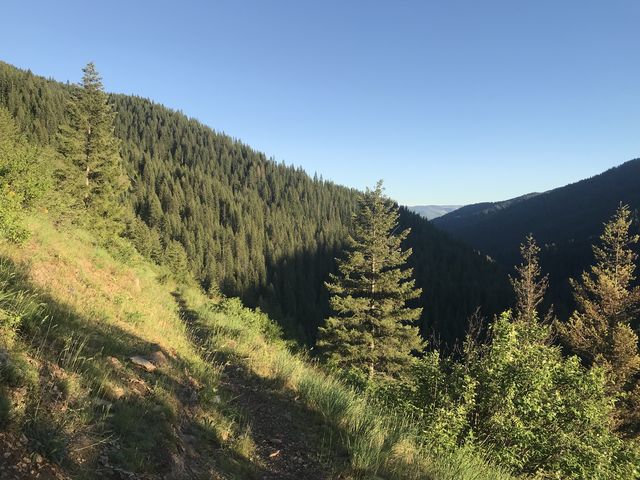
565,221
477,211
433,211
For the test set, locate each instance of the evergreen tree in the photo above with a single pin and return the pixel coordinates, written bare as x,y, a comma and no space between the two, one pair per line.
372,331
600,329
529,284
95,175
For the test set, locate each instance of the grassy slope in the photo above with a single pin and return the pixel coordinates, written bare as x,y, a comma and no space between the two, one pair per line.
230,401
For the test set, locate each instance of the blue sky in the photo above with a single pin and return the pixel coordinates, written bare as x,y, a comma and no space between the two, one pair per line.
449,102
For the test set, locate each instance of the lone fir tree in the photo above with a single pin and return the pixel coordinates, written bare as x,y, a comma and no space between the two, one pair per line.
372,331
94,177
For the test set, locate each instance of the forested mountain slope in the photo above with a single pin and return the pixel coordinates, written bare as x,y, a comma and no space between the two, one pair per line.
114,361
261,230
565,221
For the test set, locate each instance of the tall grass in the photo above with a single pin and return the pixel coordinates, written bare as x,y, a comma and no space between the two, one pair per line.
16,305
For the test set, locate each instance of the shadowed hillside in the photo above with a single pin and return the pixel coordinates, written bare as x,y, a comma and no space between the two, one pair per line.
565,221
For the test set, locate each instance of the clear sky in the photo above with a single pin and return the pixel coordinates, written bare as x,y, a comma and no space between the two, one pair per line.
449,102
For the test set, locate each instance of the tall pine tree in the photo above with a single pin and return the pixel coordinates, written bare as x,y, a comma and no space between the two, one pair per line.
94,175
372,331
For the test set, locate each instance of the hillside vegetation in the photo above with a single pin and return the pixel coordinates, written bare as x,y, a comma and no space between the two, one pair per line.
257,229
118,359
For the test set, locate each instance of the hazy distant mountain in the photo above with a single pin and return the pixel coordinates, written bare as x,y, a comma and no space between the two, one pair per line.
433,211
565,221
572,213
464,216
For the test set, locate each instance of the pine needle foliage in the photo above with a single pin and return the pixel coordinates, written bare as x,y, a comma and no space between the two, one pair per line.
372,331
600,330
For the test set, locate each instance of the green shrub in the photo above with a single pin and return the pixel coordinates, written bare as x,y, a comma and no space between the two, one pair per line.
255,319
519,400
120,248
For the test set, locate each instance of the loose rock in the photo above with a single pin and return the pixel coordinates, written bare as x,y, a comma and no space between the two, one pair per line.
143,363
115,363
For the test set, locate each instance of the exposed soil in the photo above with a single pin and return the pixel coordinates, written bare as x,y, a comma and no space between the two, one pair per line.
18,462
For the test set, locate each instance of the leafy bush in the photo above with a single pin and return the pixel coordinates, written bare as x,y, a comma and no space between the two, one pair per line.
544,414
519,400
121,249
438,394
256,319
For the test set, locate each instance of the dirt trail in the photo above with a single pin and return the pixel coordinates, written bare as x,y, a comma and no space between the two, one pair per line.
289,438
